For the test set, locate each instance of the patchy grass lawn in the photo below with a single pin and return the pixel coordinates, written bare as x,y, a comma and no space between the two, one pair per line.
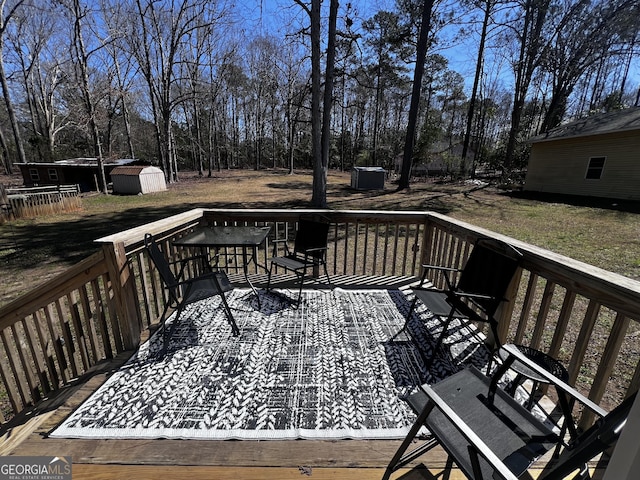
601,234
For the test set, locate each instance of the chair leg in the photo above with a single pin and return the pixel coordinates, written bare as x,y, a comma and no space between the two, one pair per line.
174,324
406,320
401,458
532,395
232,321
269,277
497,345
515,383
326,272
302,275
439,342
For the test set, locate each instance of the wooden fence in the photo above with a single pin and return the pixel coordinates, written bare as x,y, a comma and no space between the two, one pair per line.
581,314
38,201
5,206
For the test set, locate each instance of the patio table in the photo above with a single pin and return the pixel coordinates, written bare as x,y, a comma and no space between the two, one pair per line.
245,238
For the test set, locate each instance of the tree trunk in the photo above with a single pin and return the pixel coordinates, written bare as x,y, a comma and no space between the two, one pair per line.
318,195
321,172
82,58
421,54
535,15
474,92
15,127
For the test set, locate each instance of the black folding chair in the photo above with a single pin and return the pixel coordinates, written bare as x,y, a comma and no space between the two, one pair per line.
183,291
309,251
491,436
480,289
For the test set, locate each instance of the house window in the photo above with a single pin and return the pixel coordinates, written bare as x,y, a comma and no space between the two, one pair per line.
53,174
595,168
33,173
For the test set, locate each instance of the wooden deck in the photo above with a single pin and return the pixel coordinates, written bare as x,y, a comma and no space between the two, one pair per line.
96,309
211,459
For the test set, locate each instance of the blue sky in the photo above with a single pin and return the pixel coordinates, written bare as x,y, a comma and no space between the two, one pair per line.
270,15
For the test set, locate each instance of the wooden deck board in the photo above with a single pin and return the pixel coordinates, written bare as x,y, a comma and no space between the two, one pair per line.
419,472
103,472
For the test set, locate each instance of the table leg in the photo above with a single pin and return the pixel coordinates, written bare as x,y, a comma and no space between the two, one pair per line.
245,268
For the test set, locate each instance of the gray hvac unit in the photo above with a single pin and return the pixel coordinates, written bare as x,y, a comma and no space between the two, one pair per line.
368,178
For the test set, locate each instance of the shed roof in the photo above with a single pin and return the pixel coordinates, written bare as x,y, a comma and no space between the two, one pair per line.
134,170
618,121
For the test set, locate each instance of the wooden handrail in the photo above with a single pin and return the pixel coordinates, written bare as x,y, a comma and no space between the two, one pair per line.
45,293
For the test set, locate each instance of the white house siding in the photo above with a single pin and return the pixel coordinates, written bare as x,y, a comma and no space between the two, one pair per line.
560,166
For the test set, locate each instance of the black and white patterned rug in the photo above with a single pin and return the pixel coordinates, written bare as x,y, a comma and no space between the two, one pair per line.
327,370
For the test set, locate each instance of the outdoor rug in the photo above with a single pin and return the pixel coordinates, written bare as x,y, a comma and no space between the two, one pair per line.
326,370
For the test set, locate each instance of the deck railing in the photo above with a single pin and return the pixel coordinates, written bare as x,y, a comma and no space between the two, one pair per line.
581,314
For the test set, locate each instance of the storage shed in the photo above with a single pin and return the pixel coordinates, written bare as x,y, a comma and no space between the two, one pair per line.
368,178
596,156
136,179
83,172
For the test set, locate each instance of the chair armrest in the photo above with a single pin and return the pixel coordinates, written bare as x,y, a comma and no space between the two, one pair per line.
440,268
516,354
475,296
283,241
475,442
316,249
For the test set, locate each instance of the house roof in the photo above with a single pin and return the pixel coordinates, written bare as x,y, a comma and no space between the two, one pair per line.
78,162
618,121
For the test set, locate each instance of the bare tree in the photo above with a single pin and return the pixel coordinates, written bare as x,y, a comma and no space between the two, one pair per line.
40,73
81,59
4,154
8,11
159,41
421,54
122,74
529,33
587,34
487,6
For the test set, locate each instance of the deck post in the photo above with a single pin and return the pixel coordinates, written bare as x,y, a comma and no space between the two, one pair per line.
124,292
427,245
504,313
